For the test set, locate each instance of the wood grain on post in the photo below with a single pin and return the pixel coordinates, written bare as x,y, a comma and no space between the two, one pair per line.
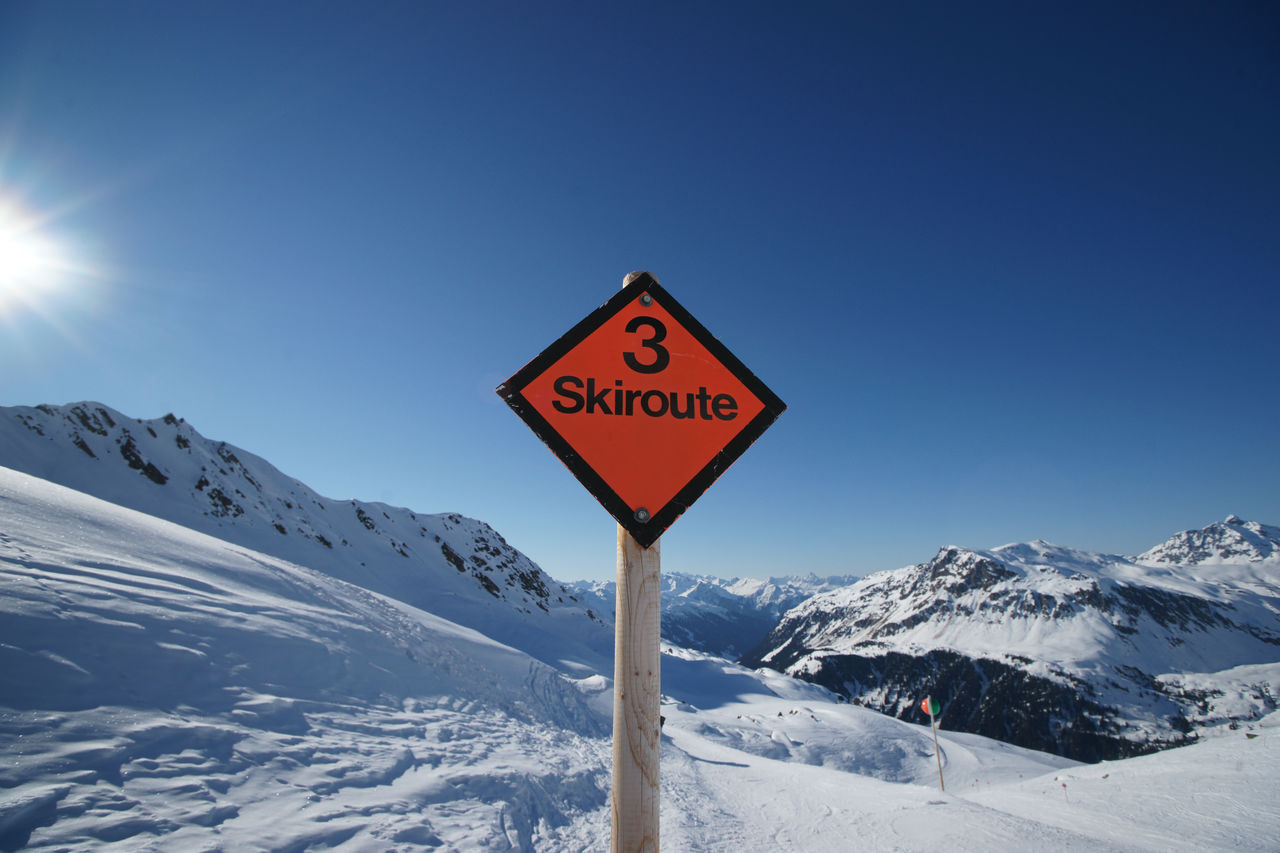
636,698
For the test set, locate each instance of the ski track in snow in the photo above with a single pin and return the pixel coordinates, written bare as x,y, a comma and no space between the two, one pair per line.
358,779
161,690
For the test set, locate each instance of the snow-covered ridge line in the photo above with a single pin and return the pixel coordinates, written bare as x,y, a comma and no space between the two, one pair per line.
160,683
1230,542
168,688
215,619
164,467
164,689
1073,622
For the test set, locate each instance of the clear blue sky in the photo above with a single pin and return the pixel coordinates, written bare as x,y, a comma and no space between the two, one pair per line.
1014,267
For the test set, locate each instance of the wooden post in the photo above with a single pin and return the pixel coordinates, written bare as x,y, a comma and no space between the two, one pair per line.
659,468
636,698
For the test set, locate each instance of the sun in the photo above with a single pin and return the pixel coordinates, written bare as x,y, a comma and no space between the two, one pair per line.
33,264
24,257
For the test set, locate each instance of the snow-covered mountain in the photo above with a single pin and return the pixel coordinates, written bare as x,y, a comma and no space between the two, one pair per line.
1234,542
165,690
166,687
165,468
1088,655
162,689
710,614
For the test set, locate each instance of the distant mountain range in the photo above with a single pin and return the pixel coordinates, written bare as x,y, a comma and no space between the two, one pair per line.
725,617
1083,654
1088,655
165,687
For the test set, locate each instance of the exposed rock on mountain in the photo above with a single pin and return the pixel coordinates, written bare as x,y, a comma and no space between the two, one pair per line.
1088,655
1230,542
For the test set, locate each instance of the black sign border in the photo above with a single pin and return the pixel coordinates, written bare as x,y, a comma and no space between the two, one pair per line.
644,532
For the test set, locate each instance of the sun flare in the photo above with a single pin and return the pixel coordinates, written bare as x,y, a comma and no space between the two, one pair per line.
33,263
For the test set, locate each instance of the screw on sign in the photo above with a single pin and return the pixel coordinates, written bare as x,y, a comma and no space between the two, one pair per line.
646,408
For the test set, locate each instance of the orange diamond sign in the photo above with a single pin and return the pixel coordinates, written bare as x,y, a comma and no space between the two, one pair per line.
643,405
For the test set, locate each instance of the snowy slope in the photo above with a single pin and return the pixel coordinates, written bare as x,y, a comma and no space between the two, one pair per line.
159,683
1086,654
453,566
164,690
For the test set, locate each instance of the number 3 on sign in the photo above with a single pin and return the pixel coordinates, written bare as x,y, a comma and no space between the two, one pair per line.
661,357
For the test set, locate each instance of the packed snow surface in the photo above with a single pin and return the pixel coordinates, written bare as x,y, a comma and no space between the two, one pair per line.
162,689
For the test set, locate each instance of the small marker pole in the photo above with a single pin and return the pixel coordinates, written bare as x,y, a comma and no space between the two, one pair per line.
929,706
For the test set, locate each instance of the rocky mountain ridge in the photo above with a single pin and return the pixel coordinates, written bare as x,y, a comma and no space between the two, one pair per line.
165,468
1087,655
1230,542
